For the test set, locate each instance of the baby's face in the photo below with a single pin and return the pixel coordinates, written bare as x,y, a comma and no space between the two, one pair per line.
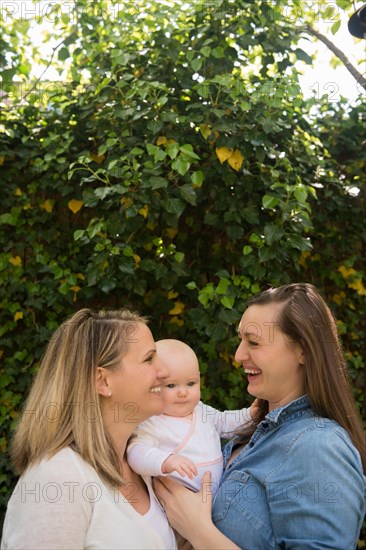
181,390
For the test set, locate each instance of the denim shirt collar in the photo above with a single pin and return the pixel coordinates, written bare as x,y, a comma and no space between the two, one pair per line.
273,419
293,409
277,417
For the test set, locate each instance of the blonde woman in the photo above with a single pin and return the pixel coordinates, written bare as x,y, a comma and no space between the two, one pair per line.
99,378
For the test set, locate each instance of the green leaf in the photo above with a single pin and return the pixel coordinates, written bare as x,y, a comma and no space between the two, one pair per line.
156,182
335,27
187,151
191,285
197,178
137,151
205,51
172,150
269,201
181,166
273,233
8,219
78,234
300,195
247,250
179,257
174,206
63,54
196,64
102,192
223,286
228,301
188,194
303,56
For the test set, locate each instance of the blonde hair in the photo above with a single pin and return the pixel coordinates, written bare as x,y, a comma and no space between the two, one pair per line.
63,407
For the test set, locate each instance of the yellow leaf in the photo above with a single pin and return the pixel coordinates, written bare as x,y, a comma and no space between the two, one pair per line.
213,136
161,140
18,192
18,315
2,160
225,356
144,211
75,288
172,294
235,364
97,158
346,272
223,153
339,298
358,286
236,160
126,201
171,233
137,259
138,73
177,309
80,276
75,205
17,260
303,257
176,321
47,205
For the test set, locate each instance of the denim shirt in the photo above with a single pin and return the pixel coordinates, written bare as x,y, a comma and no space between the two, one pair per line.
297,484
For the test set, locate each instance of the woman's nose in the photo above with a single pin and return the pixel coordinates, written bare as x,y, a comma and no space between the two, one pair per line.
242,352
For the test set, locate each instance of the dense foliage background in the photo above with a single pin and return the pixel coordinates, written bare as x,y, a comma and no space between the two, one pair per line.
176,168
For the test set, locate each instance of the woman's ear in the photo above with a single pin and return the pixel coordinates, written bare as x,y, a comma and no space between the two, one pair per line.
101,382
300,356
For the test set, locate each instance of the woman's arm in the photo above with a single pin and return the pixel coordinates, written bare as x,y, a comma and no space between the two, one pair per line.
317,500
189,513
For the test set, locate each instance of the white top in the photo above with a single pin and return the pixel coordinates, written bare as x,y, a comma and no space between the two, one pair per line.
62,503
196,438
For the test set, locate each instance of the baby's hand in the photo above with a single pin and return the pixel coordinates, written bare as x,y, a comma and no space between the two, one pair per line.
254,409
183,466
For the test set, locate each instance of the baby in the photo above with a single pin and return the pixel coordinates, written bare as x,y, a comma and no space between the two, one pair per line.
184,441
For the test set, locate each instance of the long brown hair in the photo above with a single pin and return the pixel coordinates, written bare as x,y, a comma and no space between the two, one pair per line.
306,319
63,407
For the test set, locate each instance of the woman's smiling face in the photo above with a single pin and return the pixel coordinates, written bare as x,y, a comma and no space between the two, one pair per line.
273,363
136,385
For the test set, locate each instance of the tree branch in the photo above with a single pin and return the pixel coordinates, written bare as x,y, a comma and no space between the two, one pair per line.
54,50
338,53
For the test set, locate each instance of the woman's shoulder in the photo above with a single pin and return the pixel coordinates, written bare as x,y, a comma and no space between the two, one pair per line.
323,437
65,465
